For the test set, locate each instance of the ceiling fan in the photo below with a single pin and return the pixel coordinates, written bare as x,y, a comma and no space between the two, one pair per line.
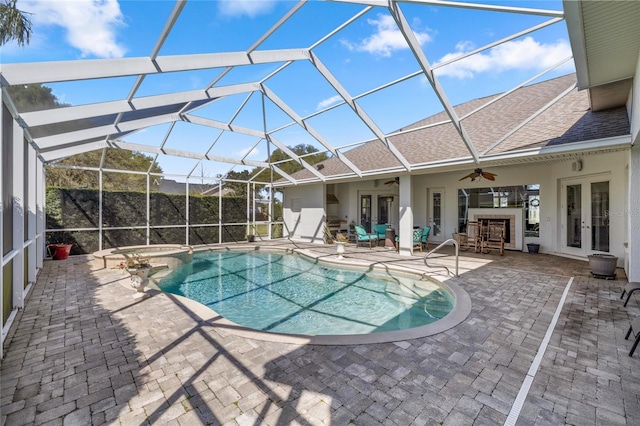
394,181
478,173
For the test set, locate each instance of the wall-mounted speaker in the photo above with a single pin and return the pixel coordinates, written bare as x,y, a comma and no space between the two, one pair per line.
576,166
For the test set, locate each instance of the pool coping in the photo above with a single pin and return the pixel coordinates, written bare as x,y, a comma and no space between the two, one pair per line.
460,311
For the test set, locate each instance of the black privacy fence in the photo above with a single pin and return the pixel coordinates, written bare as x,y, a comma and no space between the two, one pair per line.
76,214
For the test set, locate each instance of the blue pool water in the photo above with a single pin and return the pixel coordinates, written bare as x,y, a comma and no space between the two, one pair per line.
292,294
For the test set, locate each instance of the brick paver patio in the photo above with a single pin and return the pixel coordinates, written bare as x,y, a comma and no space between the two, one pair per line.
84,351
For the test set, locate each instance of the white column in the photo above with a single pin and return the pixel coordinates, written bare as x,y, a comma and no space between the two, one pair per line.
633,238
31,218
148,208
406,216
19,164
40,218
2,236
100,209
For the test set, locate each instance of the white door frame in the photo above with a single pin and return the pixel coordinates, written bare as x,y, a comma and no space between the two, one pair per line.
581,220
437,233
375,194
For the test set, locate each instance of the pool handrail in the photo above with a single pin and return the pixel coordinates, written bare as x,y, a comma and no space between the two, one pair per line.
455,243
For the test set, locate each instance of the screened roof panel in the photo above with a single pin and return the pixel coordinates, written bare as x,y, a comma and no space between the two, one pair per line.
371,57
302,77
174,82
306,26
249,73
237,146
220,26
195,139
341,126
381,105
372,43
79,93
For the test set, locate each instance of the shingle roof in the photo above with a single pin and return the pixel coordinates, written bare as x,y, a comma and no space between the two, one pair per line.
566,120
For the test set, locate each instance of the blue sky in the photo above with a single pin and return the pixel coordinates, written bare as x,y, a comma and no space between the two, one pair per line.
368,53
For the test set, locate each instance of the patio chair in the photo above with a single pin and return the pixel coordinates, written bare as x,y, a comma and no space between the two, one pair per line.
380,230
635,328
417,238
425,235
362,235
473,236
628,290
493,236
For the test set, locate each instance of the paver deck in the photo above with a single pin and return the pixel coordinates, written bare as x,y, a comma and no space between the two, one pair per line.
83,351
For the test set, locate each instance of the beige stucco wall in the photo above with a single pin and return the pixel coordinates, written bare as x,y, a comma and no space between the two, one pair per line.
610,166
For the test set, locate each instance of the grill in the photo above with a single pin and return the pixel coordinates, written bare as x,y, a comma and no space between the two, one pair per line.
334,224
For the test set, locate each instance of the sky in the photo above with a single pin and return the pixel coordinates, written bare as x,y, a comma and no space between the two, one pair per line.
366,54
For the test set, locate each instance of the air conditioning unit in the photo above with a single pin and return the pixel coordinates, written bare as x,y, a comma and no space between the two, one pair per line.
576,166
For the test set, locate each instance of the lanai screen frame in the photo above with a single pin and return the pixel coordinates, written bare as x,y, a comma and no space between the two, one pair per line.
31,154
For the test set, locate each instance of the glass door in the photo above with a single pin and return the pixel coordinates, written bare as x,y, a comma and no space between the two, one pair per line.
600,216
585,221
435,211
365,212
384,209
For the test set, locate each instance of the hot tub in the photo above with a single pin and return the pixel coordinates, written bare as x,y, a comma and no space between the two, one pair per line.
171,255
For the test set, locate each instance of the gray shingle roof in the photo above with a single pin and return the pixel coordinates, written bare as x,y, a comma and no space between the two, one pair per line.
567,120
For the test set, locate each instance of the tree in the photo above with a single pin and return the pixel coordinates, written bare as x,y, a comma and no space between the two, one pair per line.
120,159
291,167
14,24
35,97
239,188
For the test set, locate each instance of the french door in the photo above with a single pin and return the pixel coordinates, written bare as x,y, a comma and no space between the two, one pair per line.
435,213
585,219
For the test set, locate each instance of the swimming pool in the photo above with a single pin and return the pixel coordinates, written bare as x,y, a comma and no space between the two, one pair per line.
292,294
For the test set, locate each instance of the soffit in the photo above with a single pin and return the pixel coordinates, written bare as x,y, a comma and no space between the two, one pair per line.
605,39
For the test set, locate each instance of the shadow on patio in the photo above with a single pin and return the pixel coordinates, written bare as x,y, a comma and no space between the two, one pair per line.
158,361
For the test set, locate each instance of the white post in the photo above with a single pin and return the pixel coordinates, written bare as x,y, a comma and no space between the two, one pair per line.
19,164
39,207
31,218
148,208
100,207
406,216
2,236
220,211
633,274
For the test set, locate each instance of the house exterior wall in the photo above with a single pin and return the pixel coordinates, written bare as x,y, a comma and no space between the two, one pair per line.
633,200
609,166
307,224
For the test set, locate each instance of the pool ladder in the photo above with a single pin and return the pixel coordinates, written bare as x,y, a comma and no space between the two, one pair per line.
455,243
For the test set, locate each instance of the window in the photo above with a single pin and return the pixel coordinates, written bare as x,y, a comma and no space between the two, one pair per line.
520,196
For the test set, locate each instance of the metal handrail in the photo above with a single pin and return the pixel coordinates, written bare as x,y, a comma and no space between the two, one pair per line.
455,243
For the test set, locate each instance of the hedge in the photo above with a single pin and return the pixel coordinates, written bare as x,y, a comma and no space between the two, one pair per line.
79,208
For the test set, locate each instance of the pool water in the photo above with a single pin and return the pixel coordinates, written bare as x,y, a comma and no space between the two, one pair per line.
292,294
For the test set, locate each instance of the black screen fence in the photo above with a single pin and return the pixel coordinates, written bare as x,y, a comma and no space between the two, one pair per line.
94,219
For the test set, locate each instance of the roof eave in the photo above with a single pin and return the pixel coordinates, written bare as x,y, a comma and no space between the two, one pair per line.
575,28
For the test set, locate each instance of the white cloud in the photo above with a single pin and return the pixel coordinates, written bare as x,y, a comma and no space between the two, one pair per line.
513,55
329,101
90,24
386,38
249,152
250,8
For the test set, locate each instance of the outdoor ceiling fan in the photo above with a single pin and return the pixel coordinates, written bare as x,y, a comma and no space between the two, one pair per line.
394,181
478,173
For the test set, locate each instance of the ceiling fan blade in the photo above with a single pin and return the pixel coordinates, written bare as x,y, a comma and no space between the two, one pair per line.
391,182
489,176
